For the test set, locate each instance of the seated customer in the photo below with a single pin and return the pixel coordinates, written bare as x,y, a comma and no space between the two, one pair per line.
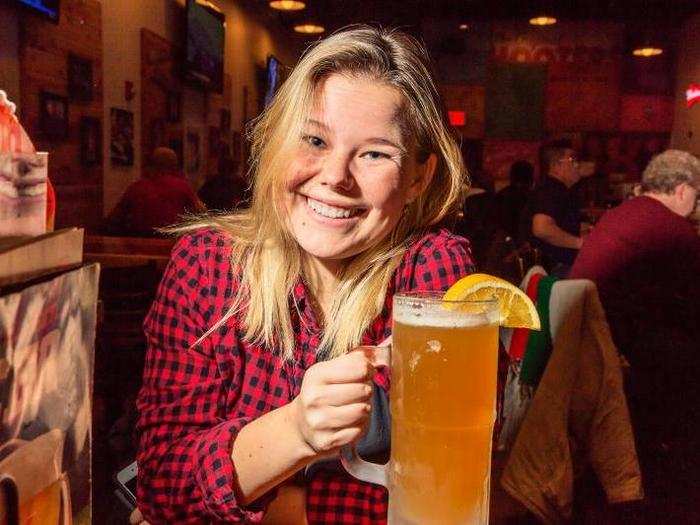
226,189
554,209
157,199
511,200
644,257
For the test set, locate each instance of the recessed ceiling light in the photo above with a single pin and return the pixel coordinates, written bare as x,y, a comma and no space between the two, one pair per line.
287,5
543,21
309,29
463,27
648,51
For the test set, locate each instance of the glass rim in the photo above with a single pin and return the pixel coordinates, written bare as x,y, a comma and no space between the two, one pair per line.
435,297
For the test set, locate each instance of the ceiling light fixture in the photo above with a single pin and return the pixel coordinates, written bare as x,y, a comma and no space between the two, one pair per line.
463,27
543,21
309,29
287,5
647,51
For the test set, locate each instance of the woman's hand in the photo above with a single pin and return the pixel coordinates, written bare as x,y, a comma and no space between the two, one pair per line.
333,406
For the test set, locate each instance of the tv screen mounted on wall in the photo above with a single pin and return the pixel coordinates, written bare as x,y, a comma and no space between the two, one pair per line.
204,54
48,8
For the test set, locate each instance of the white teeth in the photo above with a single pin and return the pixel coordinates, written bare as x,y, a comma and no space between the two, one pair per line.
329,211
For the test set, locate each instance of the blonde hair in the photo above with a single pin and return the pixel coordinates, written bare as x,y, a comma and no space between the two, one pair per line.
264,251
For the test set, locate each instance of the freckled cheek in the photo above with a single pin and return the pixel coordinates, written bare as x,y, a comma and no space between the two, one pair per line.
300,170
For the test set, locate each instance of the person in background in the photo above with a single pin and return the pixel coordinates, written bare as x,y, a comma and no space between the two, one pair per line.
479,220
644,257
252,380
159,198
554,208
511,200
226,190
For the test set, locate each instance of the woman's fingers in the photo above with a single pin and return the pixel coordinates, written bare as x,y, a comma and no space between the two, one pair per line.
336,418
340,394
353,367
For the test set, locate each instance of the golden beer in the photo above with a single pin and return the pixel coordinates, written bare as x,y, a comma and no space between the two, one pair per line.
443,391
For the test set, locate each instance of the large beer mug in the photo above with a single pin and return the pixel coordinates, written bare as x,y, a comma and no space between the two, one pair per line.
443,399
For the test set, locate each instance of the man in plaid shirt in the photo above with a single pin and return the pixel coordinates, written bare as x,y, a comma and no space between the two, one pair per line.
251,381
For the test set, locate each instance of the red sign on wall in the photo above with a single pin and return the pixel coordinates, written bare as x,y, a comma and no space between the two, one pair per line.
692,94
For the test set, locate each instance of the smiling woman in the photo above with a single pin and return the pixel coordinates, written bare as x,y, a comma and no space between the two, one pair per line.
251,371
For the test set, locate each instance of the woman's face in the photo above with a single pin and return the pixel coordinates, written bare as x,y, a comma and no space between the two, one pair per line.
353,171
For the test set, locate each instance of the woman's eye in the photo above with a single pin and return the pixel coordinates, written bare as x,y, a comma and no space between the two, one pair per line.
314,141
376,155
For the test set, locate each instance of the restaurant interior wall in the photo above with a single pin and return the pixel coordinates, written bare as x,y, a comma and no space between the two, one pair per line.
248,42
686,129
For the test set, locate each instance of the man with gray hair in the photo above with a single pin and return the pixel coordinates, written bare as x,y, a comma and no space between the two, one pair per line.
644,256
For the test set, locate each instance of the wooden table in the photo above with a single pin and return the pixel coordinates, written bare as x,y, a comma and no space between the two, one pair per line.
119,252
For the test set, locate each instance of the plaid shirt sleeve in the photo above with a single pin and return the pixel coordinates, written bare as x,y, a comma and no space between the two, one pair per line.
185,470
434,263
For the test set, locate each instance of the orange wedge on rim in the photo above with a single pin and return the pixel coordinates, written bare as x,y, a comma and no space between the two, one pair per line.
515,307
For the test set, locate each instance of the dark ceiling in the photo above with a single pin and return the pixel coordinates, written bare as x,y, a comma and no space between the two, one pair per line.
410,14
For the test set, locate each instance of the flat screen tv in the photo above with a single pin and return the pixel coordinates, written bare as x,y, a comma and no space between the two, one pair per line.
272,80
48,8
204,54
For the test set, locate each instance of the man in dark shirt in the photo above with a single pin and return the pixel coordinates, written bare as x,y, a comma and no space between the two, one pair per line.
554,208
644,256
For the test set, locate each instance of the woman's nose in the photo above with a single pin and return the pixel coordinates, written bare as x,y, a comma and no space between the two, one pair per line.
337,172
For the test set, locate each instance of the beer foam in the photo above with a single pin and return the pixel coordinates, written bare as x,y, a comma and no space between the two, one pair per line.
443,318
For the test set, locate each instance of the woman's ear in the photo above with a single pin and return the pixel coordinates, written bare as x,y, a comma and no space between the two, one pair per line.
422,177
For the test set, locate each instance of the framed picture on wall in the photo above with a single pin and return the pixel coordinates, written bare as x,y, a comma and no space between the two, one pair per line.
90,141
53,115
79,78
121,144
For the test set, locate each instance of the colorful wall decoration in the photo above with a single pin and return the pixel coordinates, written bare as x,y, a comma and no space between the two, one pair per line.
46,360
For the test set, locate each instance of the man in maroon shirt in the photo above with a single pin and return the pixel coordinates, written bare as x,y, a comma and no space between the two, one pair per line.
644,256
157,199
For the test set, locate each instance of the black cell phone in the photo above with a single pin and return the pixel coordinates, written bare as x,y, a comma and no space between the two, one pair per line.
126,485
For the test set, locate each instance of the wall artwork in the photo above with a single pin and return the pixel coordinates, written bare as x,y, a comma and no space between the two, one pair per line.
23,195
90,141
121,144
79,78
53,116
45,408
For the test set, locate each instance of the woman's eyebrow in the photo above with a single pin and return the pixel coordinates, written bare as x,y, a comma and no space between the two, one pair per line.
317,123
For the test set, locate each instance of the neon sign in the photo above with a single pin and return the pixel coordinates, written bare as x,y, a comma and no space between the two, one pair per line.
692,94
457,118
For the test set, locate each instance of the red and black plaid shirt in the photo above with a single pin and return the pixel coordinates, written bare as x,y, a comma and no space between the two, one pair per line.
194,400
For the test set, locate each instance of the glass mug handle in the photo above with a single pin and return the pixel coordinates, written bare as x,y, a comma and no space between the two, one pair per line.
349,458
